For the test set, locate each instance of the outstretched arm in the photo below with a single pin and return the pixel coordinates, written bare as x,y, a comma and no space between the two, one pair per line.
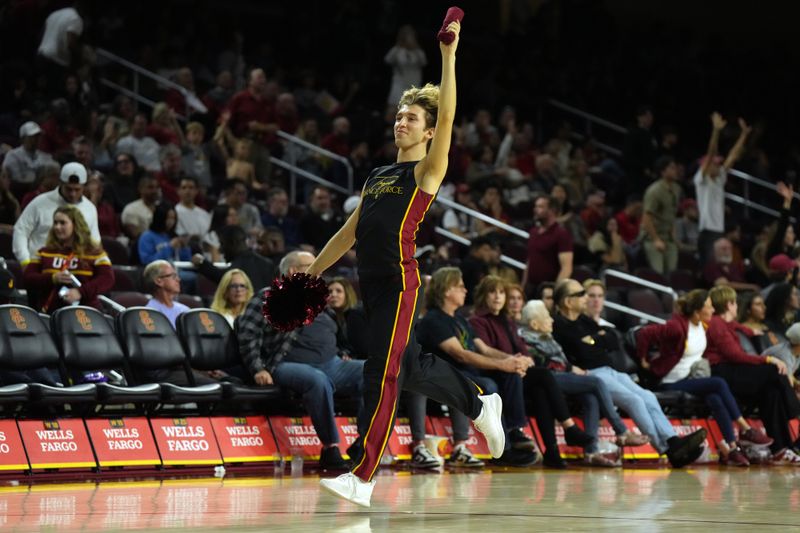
431,170
717,124
736,151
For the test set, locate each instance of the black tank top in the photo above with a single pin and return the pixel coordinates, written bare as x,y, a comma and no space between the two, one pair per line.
392,208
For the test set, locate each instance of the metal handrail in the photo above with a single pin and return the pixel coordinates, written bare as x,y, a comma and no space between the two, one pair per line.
588,116
306,174
191,98
135,96
466,242
634,312
485,218
640,281
758,181
322,151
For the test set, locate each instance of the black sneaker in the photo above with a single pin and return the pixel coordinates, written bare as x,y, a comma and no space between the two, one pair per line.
331,459
575,436
520,458
685,450
520,441
552,459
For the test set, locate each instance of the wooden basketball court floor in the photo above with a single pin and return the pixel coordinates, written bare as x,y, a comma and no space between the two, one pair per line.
578,499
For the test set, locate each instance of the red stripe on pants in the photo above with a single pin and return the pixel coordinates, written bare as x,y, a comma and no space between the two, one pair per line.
382,421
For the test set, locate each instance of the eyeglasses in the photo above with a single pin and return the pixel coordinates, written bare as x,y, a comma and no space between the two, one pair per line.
173,275
577,294
237,286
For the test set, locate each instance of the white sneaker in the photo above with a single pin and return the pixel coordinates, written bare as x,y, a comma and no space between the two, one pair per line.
490,423
349,487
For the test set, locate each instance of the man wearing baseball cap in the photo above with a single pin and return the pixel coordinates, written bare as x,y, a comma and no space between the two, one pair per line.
30,231
781,269
21,162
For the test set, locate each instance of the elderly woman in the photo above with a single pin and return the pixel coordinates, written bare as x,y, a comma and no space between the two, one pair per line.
495,328
233,293
537,333
69,254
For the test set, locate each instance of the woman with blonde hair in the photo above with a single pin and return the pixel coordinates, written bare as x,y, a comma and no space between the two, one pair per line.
70,268
233,293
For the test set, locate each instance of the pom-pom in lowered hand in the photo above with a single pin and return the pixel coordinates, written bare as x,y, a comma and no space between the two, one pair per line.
294,301
454,14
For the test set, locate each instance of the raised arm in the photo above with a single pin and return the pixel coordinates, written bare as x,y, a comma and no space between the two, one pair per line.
738,148
431,170
717,125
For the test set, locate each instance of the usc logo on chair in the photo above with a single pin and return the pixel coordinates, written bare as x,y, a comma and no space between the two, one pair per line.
83,319
18,319
207,322
147,320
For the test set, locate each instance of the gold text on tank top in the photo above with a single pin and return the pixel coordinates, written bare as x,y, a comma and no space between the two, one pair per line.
384,185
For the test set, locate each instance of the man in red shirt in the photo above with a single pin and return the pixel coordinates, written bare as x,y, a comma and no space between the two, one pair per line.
549,246
252,115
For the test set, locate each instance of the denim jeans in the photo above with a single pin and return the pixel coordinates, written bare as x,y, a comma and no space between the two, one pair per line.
595,397
317,383
639,403
717,396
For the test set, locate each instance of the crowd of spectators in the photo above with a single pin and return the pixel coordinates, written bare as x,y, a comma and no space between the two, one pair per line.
89,179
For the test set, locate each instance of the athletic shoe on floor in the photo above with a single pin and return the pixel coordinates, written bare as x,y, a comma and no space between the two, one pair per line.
685,450
331,459
754,437
520,458
629,438
552,459
786,457
461,456
575,436
490,423
520,441
736,457
423,458
349,487
598,459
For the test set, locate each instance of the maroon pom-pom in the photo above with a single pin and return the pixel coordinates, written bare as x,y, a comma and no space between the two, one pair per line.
294,301
454,14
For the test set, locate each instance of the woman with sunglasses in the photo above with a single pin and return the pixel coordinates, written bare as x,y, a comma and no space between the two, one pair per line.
589,345
233,293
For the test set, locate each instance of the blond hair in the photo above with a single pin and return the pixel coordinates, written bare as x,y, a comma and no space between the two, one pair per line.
427,98
589,283
721,296
220,303
82,242
442,279
195,126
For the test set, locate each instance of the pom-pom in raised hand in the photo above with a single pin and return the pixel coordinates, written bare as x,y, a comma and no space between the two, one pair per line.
454,14
294,301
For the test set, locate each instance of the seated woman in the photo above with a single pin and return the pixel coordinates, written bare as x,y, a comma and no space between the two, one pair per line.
447,334
493,326
233,293
537,334
680,366
783,306
160,242
752,377
516,301
592,346
752,313
350,317
68,254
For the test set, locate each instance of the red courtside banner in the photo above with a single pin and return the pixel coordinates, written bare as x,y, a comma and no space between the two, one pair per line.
245,439
296,436
476,442
125,441
399,445
57,443
794,427
186,441
348,433
12,453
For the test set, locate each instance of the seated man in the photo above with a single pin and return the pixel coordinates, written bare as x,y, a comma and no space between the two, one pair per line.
589,345
449,336
305,361
723,270
162,281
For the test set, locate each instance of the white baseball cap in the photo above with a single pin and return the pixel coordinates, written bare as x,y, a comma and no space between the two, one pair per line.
29,129
793,333
72,171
